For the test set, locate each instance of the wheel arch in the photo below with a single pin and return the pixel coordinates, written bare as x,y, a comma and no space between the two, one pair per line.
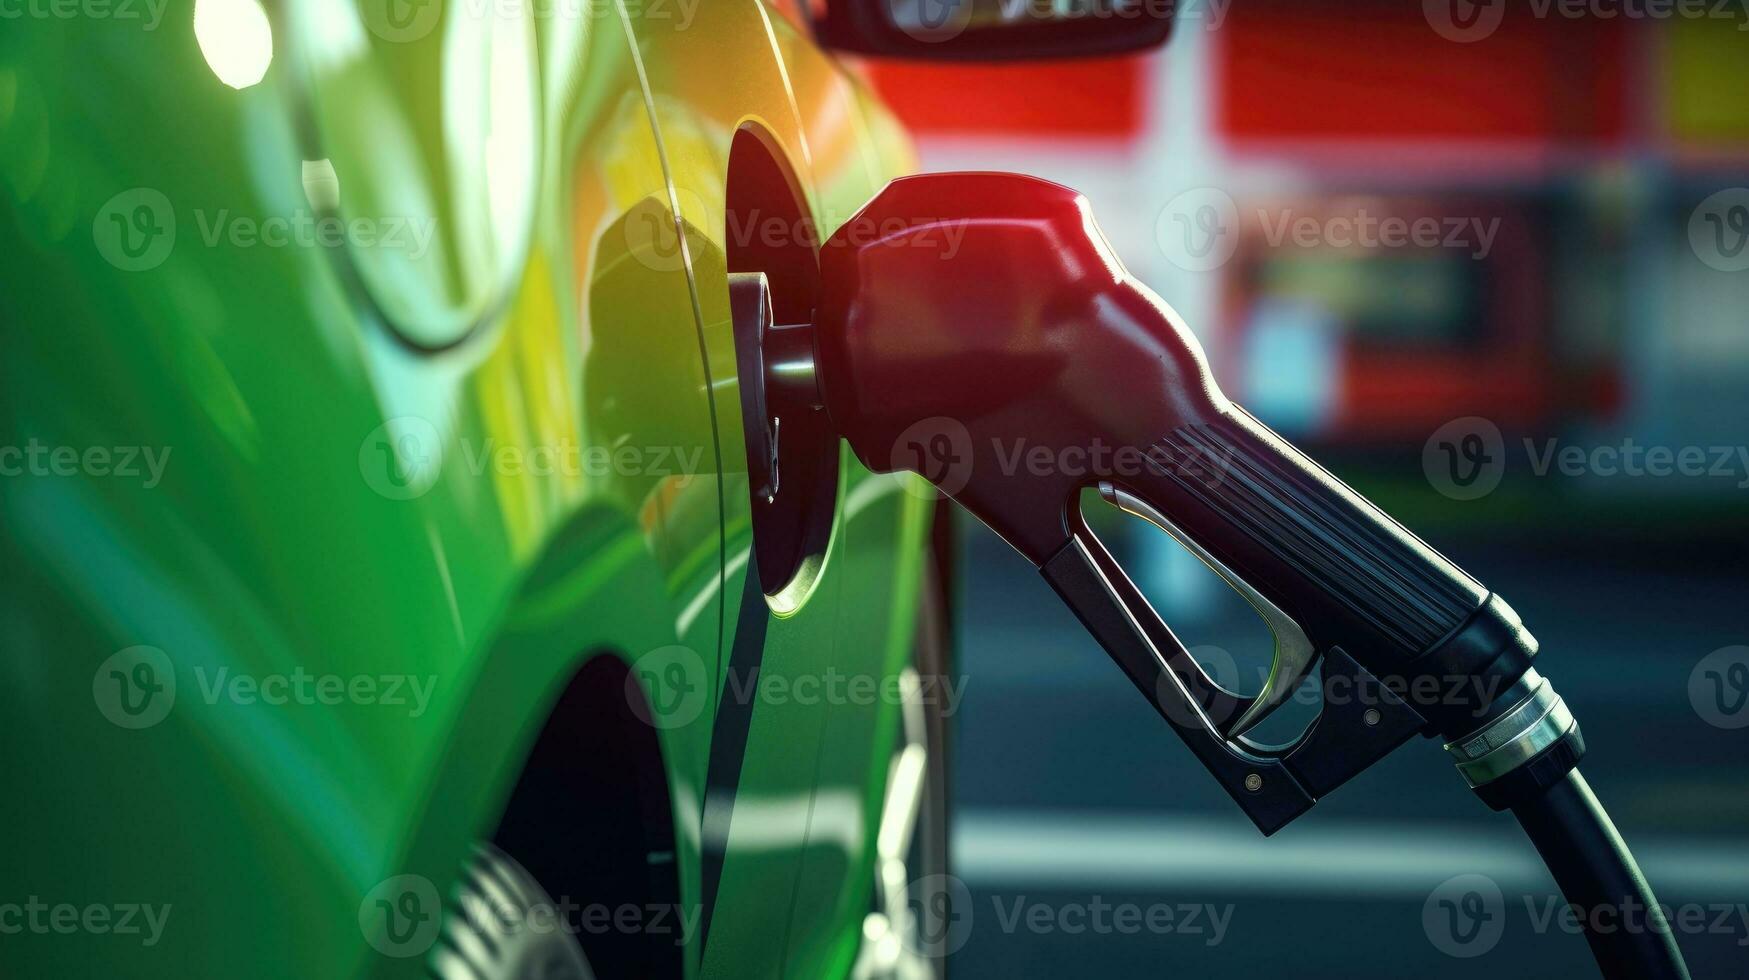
555,678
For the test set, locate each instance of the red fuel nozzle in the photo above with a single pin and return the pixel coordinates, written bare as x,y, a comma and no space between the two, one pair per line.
977,328
967,318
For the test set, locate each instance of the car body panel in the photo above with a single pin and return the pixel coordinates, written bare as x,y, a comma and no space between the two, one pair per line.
342,499
802,843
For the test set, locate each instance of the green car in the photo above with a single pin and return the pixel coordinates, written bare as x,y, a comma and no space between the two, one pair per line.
387,592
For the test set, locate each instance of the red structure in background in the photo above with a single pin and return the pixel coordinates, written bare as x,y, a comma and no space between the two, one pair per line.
1101,99
1381,97
1382,73
1402,373
1373,99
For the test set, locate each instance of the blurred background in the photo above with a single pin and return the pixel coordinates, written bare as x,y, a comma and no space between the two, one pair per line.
1488,264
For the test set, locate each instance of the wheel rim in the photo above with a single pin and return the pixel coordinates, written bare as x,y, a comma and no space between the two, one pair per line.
502,925
905,935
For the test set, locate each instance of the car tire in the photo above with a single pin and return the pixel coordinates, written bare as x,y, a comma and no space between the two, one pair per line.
502,925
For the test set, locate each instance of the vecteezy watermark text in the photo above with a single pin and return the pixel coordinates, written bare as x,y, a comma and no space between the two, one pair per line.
944,452
401,917
1469,21
37,917
652,237
1466,916
1631,459
668,687
946,916
1208,13
568,916
301,687
37,458
836,687
407,21
402,459
137,688
303,228
136,230
569,457
1330,690
1199,230
147,13
935,21
1466,458
1099,917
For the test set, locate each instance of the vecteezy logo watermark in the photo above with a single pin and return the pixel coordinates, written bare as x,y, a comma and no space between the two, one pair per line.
1464,21
37,458
1631,459
941,907
41,918
303,228
943,451
1096,916
496,915
135,230
136,687
1199,230
1468,21
568,457
402,21
1363,229
1718,230
836,687
940,450
1718,688
667,687
652,238
1632,917
1465,458
401,916
930,21
1465,916
407,21
1208,14
147,13
935,21
1187,705
409,692
401,458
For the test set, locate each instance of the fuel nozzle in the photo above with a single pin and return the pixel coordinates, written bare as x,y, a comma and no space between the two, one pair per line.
978,329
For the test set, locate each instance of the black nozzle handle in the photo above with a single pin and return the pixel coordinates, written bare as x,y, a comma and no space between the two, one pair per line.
1346,572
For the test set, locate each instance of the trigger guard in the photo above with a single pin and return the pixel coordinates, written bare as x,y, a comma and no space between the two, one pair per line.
1295,654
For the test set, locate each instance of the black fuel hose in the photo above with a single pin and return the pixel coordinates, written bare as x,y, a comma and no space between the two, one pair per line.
1628,931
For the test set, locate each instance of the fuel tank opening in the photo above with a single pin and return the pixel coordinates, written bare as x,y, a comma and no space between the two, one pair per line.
774,279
